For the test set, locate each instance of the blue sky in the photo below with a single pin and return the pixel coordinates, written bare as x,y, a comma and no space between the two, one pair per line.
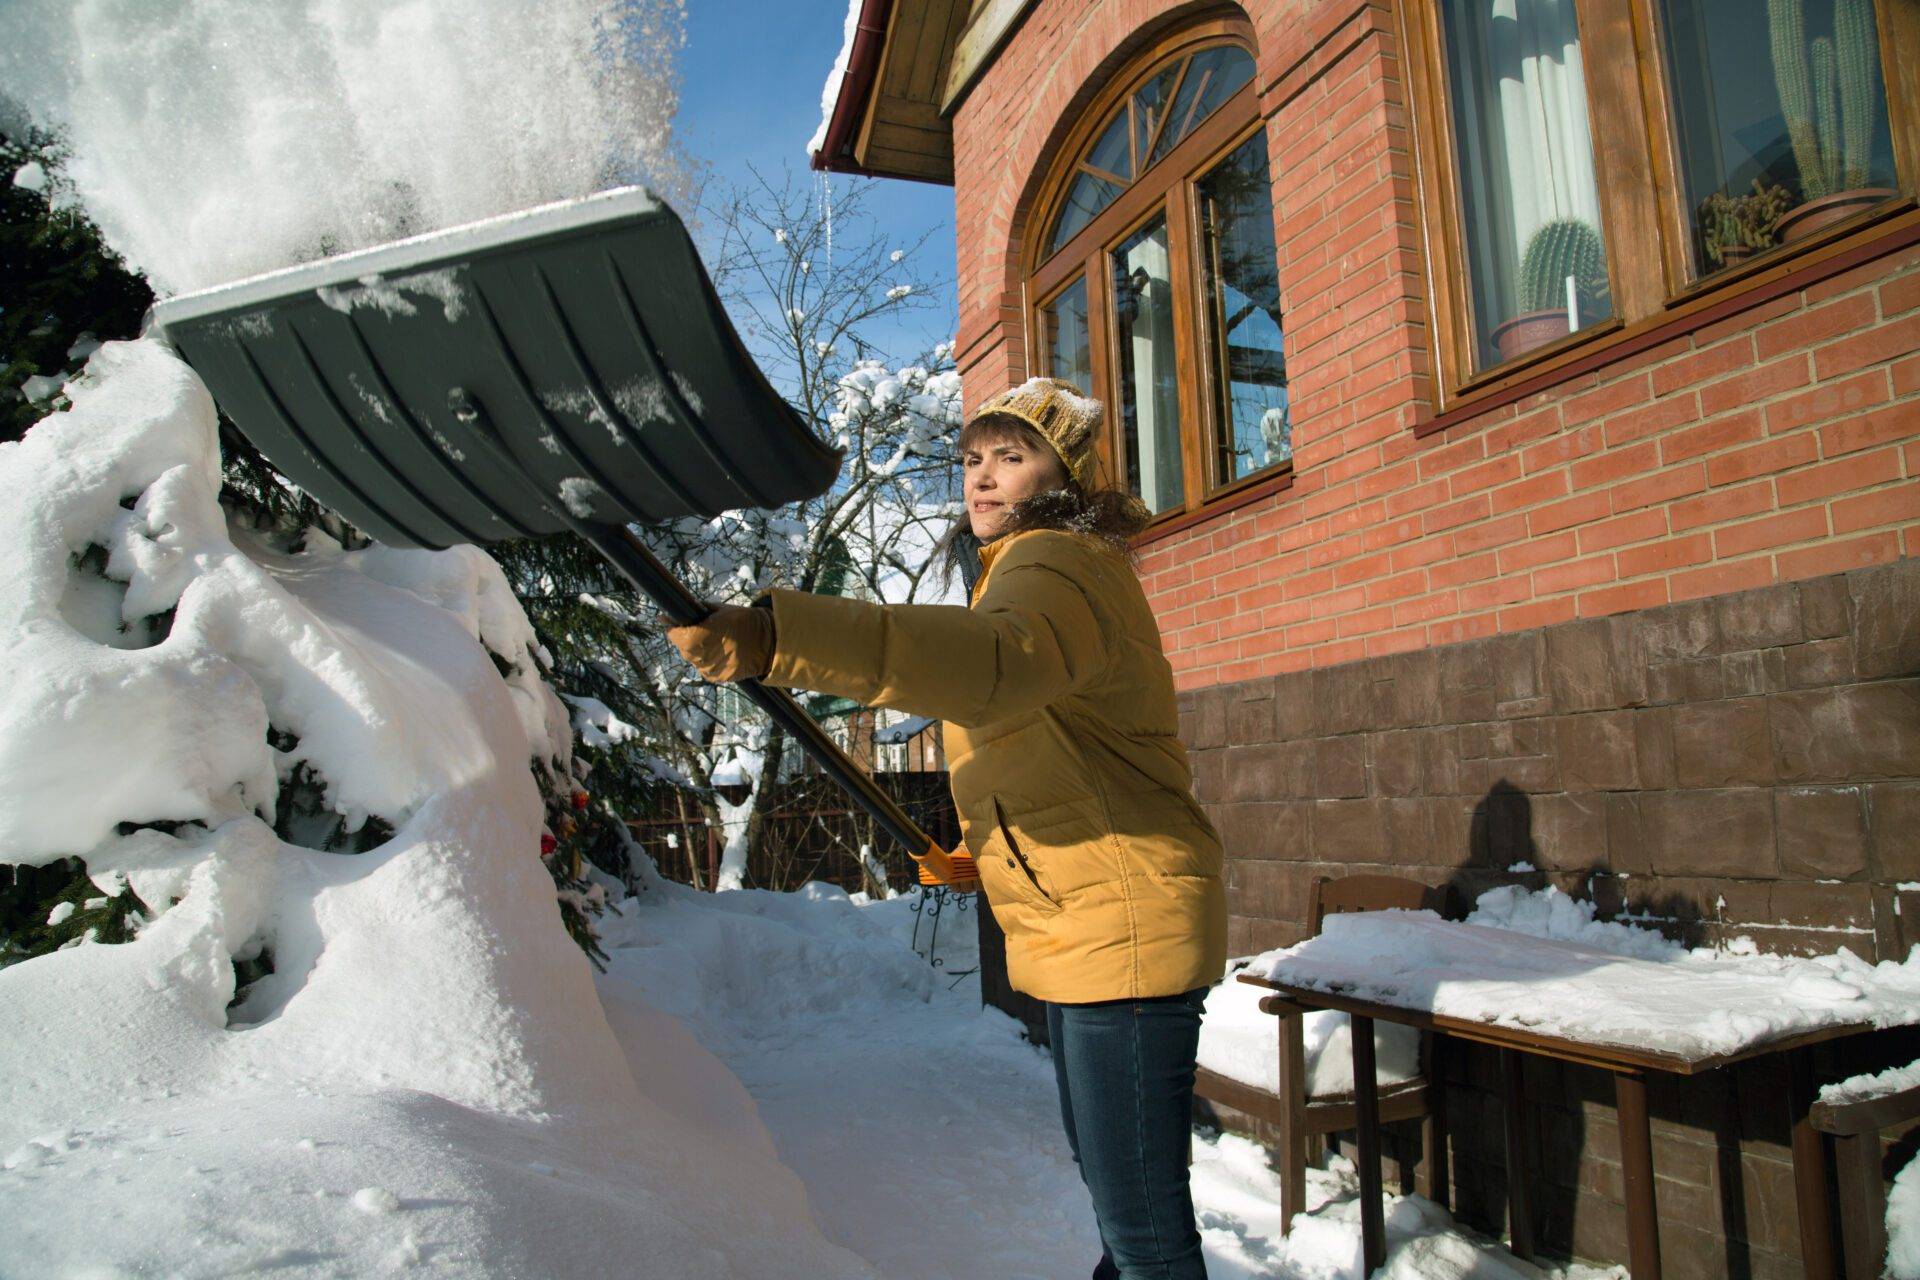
751,75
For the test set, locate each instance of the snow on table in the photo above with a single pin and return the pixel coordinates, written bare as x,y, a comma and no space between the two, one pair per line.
1666,999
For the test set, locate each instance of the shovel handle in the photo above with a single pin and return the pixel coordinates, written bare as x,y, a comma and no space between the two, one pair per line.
629,555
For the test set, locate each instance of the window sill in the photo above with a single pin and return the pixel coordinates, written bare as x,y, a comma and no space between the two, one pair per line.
1874,233
1217,504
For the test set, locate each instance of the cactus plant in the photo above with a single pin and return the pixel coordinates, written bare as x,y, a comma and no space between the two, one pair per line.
1827,93
1744,222
1560,248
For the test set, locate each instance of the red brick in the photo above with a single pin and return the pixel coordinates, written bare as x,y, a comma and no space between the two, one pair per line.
1719,579
1417,498
1484,595
1701,366
1463,569
1582,509
1636,526
1654,419
1839,556
1721,504
1616,464
1900,294
1525,493
1883,506
1611,398
1396,588
1665,555
1770,531
1574,574
1892,423
1396,642
1906,376
1884,342
1659,487
1709,437
1495,472
1451,457
1426,608
1465,511
1843,476
1541,613
1756,384
1564,447
1759,459
1454,630
1828,400
1814,325
1537,551
1536,424
1622,598
1491,534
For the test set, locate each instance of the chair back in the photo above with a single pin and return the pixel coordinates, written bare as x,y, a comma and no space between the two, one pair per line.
1330,896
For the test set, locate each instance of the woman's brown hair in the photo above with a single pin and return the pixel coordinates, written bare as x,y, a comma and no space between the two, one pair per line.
1106,514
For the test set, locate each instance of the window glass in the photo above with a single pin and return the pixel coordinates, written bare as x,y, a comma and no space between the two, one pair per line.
1085,199
1242,283
1064,330
1781,113
1196,86
1536,254
1149,394
1149,104
1213,76
1110,154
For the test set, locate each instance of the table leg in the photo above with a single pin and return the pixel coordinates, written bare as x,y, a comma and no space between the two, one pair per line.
1519,1166
1366,1107
1636,1169
1435,1126
1809,1171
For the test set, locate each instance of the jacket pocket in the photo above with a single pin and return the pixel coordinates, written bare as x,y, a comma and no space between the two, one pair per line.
1018,872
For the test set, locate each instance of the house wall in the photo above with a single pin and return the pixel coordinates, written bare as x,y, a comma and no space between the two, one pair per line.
1654,630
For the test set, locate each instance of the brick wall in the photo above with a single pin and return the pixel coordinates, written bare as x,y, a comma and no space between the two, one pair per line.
1779,443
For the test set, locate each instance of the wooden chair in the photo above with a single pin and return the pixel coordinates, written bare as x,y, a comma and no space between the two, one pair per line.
1297,1117
1855,1127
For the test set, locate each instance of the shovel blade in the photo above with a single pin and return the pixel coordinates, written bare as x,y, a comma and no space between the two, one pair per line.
516,377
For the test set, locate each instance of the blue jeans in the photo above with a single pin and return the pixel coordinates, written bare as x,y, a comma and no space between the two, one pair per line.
1125,1070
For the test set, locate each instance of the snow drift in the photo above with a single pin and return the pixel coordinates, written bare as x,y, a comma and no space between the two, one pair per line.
427,1074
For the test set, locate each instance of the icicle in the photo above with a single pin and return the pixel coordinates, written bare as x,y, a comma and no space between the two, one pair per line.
826,214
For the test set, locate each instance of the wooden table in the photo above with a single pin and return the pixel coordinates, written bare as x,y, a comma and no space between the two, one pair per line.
1629,1067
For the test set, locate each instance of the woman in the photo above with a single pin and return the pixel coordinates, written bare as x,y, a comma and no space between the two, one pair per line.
1072,787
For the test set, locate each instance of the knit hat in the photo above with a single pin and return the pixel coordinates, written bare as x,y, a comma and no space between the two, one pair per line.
1063,417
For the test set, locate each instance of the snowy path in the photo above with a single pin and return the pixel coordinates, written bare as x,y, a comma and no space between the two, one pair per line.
925,1129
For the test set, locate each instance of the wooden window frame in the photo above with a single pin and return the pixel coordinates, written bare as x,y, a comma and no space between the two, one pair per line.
1646,225
1167,189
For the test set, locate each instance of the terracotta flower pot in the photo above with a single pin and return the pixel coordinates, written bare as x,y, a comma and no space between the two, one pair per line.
1732,255
1804,220
1528,330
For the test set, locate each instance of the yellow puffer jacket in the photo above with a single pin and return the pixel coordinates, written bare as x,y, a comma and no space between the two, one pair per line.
1073,789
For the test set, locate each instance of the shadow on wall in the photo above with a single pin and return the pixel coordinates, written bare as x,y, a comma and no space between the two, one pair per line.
1721,1139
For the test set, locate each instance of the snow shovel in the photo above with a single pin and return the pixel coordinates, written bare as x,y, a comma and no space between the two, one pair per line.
565,368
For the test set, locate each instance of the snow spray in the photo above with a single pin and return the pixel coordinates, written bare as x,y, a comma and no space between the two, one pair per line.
215,139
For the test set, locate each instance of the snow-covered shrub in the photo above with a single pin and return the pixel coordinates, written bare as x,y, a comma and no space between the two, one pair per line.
182,671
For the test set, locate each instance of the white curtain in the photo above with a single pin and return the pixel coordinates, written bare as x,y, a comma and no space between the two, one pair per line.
1155,395
1520,98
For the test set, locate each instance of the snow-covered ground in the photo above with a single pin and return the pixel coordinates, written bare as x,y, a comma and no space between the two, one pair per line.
925,1129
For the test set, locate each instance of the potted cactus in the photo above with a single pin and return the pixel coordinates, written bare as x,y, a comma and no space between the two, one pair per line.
1558,249
1829,100
1734,228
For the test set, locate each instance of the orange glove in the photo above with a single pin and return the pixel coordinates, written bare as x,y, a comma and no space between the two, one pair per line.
731,644
955,870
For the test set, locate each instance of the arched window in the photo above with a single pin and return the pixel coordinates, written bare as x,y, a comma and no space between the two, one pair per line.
1153,285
